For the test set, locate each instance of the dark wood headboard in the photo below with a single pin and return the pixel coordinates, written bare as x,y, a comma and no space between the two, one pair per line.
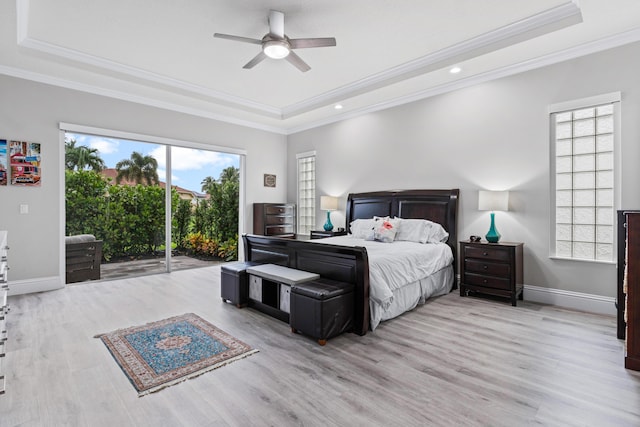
439,206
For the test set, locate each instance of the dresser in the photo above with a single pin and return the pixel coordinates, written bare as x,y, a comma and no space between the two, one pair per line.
4,307
492,268
629,306
274,219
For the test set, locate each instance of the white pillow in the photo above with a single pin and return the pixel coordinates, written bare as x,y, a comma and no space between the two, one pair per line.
437,233
412,230
421,231
362,228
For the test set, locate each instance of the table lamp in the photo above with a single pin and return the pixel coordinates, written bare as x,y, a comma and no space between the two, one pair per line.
328,203
493,201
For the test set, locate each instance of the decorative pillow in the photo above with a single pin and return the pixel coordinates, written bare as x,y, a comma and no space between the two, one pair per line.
385,230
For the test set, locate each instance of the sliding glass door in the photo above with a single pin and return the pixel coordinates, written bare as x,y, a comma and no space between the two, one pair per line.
156,207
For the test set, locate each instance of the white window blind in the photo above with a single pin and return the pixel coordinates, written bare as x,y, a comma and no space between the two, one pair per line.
584,158
306,192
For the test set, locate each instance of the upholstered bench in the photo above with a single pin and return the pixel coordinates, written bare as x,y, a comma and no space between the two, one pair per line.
322,308
234,282
270,288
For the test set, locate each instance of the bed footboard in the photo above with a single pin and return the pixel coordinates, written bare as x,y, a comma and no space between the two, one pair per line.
344,264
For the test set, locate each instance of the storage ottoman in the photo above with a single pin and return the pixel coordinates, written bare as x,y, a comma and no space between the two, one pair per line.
234,283
322,308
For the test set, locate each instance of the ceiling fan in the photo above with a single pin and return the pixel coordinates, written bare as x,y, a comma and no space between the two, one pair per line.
276,44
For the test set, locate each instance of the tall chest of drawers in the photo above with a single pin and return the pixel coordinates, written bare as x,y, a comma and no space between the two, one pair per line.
274,219
492,268
4,307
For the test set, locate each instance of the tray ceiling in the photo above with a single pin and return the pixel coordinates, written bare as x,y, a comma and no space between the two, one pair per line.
162,52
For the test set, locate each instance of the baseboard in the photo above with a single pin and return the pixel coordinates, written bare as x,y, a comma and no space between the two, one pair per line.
574,300
41,284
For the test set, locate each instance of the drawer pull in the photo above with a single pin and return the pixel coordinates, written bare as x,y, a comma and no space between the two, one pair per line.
485,281
485,253
485,266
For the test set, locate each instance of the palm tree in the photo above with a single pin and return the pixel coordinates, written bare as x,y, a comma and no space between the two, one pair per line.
80,157
230,174
138,169
208,183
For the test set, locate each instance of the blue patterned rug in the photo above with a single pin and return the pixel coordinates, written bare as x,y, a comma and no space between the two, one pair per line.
160,354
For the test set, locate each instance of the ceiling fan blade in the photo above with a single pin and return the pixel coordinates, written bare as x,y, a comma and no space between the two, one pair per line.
276,23
314,42
256,60
298,62
237,38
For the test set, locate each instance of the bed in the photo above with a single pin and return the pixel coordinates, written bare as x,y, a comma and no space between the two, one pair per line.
347,259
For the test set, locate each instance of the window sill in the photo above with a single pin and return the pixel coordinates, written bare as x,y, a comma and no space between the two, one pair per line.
594,261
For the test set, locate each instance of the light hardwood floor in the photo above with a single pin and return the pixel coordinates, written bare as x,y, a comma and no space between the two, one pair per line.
452,362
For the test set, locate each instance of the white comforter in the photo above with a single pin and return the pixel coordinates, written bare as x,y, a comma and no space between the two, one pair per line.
394,265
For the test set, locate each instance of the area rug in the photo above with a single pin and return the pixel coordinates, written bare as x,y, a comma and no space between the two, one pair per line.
163,353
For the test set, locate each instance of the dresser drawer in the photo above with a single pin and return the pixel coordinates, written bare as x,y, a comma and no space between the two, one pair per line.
485,252
278,219
278,210
277,230
487,281
490,268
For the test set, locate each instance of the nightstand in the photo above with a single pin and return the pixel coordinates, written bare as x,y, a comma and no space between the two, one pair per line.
492,268
321,234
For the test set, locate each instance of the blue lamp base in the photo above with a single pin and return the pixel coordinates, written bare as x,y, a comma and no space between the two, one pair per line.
492,235
327,225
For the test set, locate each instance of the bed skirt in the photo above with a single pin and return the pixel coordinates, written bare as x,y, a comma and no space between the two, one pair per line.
410,296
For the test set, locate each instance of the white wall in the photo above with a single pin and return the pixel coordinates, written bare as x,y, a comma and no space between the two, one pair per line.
32,112
490,136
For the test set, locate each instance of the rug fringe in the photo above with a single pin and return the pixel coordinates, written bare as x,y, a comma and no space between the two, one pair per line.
197,373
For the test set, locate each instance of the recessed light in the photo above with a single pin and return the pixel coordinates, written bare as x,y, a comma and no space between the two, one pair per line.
338,106
455,70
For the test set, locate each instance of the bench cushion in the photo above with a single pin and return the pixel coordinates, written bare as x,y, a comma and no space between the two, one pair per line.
237,266
322,290
280,274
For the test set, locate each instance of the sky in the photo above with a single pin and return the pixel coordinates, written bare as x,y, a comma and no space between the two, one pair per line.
189,166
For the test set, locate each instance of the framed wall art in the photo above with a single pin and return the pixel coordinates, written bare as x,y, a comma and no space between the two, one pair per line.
4,164
24,158
269,180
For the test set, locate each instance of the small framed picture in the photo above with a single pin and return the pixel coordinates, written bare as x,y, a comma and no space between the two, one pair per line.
269,180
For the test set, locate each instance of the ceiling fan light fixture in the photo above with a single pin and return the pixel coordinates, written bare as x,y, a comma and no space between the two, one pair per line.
276,49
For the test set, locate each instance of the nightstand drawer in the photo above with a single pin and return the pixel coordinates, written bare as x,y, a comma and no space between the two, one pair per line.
487,281
490,268
486,252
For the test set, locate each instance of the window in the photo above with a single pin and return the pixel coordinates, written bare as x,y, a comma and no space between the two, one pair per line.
584,177
306,192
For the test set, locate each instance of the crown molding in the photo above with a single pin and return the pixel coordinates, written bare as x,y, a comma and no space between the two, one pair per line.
568,11
550,20
535,25
126,96
222,98
596,46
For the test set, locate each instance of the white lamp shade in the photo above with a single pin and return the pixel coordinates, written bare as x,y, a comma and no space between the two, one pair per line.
493,200
328,203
